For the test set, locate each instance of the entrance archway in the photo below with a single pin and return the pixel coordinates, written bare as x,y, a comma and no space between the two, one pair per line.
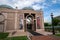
29,22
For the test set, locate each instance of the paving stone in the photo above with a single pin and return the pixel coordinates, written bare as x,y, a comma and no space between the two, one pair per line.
44,38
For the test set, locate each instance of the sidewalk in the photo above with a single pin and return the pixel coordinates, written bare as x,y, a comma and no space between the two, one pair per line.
44,38
43,32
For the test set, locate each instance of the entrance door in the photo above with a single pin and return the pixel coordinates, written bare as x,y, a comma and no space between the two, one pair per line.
29,22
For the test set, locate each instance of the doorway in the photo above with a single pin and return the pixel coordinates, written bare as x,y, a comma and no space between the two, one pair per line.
29,22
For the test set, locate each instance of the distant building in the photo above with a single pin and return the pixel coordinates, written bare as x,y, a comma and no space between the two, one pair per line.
15,19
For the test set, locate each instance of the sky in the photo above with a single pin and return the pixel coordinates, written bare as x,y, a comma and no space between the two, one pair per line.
47,6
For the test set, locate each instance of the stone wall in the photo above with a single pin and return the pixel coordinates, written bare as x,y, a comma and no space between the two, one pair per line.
12,18
10,21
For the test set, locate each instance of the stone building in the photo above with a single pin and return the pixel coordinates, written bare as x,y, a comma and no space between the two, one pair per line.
15,19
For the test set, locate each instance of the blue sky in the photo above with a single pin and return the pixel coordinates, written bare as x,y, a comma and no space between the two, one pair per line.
48,6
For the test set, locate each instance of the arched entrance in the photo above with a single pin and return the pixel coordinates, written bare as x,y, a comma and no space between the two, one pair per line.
29,22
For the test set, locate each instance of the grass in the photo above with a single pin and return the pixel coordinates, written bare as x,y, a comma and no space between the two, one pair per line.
3,35
17,38
57,35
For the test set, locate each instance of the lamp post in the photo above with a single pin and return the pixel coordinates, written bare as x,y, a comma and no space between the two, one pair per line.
52,24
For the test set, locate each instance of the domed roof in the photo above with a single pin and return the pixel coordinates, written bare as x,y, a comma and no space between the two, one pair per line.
6,6
27,8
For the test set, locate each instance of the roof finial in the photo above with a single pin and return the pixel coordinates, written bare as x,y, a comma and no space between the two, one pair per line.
41,9
16,7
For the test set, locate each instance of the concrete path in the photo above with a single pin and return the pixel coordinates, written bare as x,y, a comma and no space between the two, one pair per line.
38,36
43,32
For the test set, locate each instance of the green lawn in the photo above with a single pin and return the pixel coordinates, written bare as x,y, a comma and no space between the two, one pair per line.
57,35
17,38
3,36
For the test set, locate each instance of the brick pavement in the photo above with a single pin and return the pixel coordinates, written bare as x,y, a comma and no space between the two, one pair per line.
44,38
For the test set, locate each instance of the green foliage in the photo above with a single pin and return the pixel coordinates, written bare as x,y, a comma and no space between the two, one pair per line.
57,35
3,35
47,24
49,29
56,22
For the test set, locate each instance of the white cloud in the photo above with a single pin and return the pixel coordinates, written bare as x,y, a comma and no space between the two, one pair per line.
47,20
55,12
54,1
22,3
3,1
46,4
47,17
37,7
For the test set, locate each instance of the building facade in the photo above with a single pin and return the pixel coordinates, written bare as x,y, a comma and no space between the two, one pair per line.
15,19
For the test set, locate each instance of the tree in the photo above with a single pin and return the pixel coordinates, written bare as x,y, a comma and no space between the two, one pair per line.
47,24
56,22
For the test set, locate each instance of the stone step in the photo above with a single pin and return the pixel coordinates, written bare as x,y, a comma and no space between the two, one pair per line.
17,33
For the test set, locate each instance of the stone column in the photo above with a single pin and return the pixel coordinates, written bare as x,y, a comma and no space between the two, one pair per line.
36,21
5,22
15,20
23,22
42,21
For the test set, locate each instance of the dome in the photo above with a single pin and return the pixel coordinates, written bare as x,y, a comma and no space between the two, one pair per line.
6,6
27,8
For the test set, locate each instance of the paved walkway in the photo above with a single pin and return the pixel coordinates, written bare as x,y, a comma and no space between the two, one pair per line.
44,38
38,36
43,32
34,33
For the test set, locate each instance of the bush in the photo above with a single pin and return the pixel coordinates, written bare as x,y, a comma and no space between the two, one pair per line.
57,29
